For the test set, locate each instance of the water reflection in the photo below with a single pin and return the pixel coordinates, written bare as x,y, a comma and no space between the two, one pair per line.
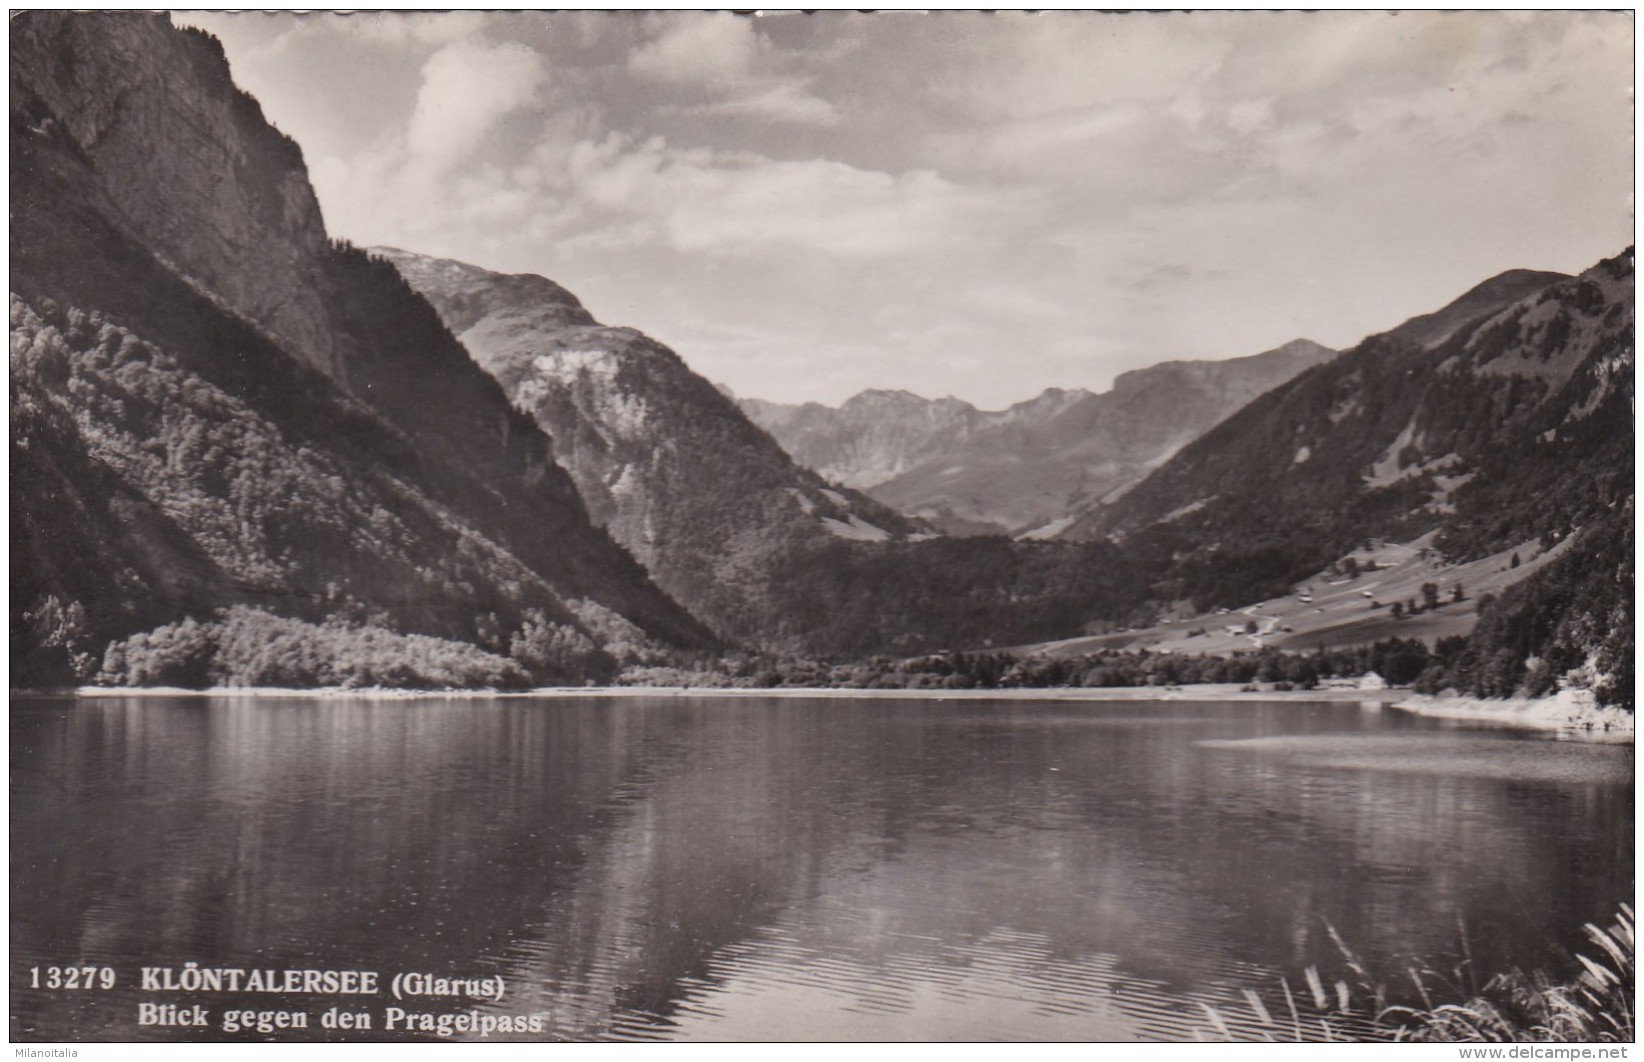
774,869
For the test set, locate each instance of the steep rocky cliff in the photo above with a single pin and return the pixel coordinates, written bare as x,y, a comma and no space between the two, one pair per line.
215,406
668,464
181,161
1033,468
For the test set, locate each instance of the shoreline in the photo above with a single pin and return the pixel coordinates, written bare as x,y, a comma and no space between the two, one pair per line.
1570,712
1574,712
1207,692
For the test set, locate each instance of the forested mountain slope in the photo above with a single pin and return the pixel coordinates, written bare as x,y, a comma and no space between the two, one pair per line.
216,409
1503,419
1511,423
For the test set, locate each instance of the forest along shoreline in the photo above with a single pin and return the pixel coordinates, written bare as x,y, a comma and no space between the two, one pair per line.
1568,713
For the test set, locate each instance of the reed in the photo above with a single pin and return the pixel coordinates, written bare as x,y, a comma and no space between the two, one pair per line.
1515,1007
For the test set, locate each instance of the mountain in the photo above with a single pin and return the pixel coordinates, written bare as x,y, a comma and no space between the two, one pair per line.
1034,468
243,451
765,550
874,437
664,460
246,454
1503,422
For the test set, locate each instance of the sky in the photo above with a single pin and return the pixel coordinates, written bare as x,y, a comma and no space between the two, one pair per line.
805,206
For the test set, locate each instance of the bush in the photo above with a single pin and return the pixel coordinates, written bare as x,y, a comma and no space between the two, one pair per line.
245,646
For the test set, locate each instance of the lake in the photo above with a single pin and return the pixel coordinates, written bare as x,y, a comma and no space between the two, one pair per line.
788,868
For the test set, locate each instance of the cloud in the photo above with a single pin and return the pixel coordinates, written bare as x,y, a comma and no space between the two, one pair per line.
1011,66
397,186
467,88
784,101
700,201
401,27
732,70
705,49
809,205
1166,277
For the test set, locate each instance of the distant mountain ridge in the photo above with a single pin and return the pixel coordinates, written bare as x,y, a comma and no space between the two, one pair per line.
1035,467
874,436
664,460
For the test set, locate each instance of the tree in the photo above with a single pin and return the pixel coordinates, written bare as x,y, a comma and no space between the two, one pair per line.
65,632
1301,671
1400,662
1539,680
558,652
1502,674
1430,595
1398,610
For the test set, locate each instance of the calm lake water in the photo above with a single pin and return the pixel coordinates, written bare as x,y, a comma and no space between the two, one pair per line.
682,868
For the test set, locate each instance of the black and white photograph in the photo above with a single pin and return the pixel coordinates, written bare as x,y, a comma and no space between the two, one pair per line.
828,526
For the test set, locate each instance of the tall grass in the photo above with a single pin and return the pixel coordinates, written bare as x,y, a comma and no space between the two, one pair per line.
1514,1007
